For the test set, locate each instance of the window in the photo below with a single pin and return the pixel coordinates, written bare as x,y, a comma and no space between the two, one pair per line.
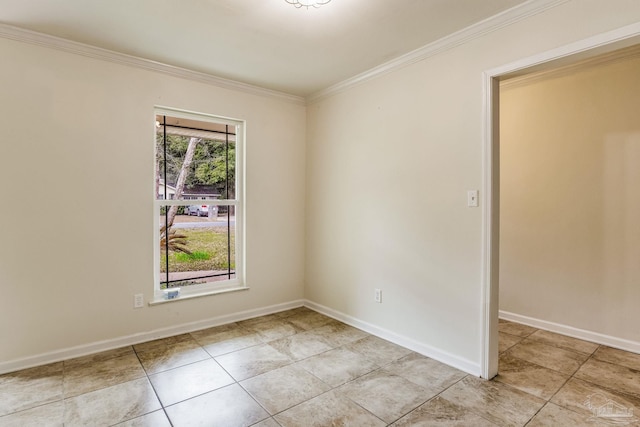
198,204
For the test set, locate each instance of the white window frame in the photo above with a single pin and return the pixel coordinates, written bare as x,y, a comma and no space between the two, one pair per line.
222,286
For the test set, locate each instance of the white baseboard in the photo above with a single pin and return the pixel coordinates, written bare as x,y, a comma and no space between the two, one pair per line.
570,331
426,350
98,346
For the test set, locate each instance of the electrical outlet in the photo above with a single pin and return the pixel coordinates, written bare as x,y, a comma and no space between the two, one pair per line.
377,297
138,301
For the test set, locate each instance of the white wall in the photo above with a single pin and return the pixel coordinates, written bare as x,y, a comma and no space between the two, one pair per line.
71,259
388,166
570,199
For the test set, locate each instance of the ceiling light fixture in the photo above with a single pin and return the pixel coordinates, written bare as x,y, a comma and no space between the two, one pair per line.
307,3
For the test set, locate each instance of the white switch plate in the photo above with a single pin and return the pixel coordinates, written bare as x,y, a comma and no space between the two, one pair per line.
472,198
138,301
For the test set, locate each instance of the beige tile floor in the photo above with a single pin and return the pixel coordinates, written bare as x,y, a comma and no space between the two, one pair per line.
300,368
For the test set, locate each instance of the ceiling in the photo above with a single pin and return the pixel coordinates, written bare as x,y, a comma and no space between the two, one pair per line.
267,43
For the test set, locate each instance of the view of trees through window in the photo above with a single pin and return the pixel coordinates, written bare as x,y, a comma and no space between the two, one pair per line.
196,194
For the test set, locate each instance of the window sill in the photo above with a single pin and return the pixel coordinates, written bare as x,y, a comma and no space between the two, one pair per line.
185,296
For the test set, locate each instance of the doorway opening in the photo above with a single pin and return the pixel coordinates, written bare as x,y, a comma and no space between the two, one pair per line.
558,58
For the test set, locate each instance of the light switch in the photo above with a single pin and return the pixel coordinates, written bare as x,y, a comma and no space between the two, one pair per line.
472,198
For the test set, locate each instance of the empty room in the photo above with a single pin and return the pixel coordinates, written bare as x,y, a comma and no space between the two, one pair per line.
319,213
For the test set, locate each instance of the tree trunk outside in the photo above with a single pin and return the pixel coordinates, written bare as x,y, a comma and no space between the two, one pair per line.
182,177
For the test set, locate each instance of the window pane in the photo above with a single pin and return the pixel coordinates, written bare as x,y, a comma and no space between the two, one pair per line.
200,248
194,160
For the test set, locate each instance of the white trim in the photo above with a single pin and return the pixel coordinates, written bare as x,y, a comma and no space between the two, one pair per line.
570,331
45,40
580,50
197,294
196,115
440,355
98,346
488,296
479,29
577,51
600,60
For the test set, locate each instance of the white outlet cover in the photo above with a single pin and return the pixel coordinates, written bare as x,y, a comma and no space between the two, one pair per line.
138,301
377,295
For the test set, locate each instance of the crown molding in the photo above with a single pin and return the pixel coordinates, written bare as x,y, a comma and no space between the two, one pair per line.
503,19
625,54
45,40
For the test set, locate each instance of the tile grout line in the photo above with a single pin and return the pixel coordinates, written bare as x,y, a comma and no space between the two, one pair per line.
565,383
553,346
294,362
547,401
152,388
467,409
